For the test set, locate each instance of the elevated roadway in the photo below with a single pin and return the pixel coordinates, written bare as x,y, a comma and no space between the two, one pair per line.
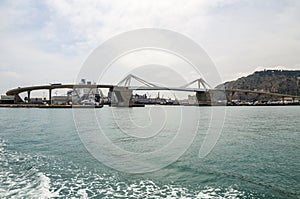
15,92
229,92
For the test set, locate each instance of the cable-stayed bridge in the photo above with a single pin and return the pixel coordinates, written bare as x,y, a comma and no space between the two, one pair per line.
121,94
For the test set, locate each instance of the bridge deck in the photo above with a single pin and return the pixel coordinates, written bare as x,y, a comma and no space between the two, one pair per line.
18,90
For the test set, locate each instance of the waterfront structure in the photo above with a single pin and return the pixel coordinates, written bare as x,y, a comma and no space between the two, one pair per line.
192,99
60,100
121,94
7,99
36,100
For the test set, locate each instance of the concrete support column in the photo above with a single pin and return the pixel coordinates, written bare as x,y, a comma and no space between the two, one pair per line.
121,97
203,98
50,96
246,97
28,96
258,97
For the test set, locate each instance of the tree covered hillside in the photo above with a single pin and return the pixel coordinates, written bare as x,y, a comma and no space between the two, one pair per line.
276,81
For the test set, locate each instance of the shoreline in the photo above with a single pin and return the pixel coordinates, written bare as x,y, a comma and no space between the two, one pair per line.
101,106
46,106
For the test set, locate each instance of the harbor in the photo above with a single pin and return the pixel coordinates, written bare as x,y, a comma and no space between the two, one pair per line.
150,99
87,94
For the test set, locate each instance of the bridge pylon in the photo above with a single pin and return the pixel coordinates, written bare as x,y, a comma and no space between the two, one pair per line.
203,97
121,94
128,79
200,83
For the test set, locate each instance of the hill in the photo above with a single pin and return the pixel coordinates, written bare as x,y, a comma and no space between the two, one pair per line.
275,81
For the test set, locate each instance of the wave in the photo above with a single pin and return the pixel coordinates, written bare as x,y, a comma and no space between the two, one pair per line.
36,176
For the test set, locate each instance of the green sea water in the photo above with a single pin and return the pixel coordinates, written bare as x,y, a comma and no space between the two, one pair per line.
256,156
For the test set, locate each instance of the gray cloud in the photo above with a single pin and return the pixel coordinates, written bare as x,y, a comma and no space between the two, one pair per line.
47,42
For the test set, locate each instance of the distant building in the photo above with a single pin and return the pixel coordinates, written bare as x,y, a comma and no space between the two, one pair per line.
183,102
83,82
192,99
7,99
36,101
60,100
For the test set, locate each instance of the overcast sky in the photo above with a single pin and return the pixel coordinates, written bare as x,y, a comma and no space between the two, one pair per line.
48,41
